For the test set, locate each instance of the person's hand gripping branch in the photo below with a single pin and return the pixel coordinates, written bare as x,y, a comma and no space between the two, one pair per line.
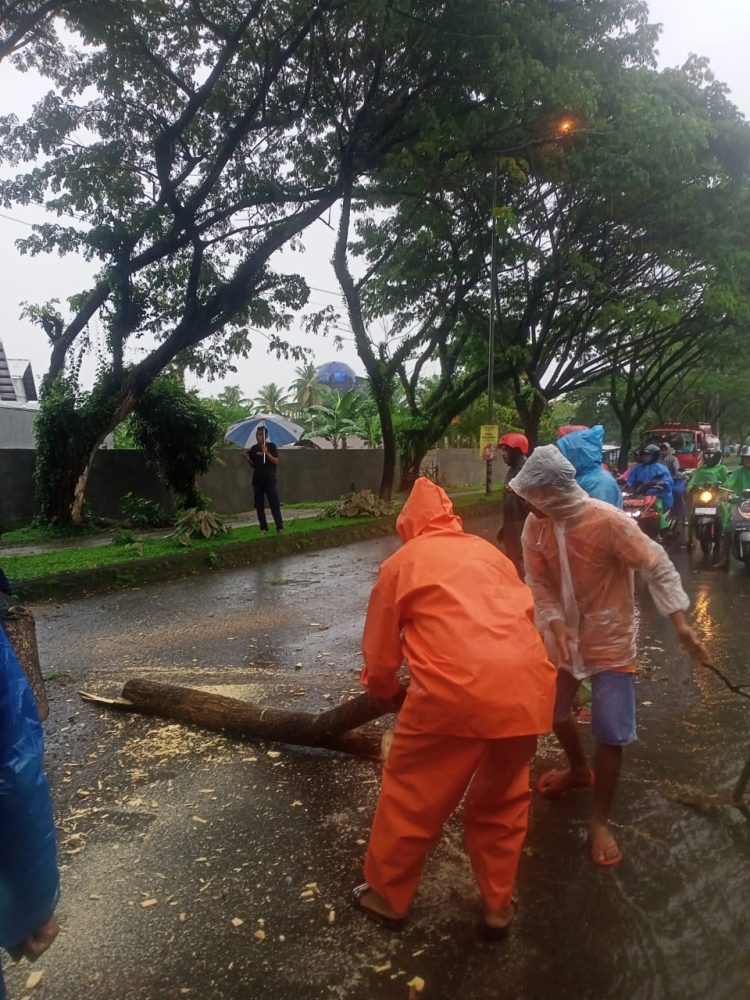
690,640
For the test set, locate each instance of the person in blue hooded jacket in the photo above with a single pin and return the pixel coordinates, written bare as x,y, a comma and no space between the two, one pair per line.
583,449
29,881
653,476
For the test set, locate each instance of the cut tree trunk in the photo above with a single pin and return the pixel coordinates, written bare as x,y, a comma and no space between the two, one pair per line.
20,629
247,721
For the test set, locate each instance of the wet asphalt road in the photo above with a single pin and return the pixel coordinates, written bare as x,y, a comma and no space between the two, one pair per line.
205,831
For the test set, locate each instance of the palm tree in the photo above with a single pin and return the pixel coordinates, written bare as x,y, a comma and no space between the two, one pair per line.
306,389
338,419
231,396
368,428
271,399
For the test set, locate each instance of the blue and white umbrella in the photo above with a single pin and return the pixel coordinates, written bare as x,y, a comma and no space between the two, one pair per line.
280,430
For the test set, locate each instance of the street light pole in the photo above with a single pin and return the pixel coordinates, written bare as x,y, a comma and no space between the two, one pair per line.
491,334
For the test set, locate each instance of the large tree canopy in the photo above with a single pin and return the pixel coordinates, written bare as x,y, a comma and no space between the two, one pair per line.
422,224
615,244
184,143
26,22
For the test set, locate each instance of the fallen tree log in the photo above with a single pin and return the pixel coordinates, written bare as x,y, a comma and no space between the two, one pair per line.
247,721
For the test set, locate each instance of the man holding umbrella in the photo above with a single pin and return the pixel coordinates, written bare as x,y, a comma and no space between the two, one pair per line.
264,457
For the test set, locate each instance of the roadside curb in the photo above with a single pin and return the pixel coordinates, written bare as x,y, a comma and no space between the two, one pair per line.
82,583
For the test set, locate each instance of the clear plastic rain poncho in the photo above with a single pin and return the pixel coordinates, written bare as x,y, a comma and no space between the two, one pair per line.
580,555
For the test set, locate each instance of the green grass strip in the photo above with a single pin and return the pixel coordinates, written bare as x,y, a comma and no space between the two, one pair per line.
34,567
69,559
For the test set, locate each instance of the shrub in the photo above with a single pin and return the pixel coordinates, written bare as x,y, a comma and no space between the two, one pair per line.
142,513
122,536
196,523
365,503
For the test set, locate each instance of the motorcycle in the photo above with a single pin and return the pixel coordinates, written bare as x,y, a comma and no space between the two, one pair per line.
741,528
647,511
706,521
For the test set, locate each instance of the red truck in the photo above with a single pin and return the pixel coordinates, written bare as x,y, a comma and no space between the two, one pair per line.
688,441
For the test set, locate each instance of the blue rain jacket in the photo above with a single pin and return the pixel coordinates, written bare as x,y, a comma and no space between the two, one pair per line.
583,449
29,881
642,473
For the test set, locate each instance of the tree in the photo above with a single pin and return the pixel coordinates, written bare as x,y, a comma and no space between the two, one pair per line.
306,389
190,143
437,318
338,419
23,22
594,270
427,263
271,399
368,421
229,406
231,397
178,432
591,405
715,389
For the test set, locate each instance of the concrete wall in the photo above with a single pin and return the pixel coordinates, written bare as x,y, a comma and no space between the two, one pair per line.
304,477
462,467
113,474
17,426
16,487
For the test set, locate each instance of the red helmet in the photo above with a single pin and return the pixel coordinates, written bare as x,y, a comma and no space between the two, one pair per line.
569,428
519,441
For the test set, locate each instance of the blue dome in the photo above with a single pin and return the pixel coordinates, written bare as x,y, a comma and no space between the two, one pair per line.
337,375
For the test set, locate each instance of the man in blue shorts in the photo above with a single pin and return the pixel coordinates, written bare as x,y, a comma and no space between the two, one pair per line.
580,555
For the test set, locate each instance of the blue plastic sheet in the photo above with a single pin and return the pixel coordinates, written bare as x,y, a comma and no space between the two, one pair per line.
29,883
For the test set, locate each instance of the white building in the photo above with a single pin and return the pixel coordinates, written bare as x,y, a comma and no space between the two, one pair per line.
18,402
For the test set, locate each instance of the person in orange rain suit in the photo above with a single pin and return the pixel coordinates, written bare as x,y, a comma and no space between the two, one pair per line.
481,690
580,555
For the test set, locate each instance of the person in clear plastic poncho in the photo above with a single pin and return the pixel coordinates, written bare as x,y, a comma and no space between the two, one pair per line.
580,555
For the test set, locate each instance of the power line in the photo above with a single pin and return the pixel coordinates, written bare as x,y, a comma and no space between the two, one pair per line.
12,218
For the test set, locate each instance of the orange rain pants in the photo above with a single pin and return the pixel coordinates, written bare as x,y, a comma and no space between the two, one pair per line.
424,779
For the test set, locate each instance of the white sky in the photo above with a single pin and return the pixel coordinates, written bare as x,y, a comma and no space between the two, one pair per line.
718,29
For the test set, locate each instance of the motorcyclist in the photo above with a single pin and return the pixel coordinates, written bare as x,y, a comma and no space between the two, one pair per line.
738,481
667,457
649,472
679,513
583,449
514,449
710,473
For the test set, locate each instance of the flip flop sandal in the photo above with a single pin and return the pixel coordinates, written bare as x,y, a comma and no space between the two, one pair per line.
500,933
391,923
550,786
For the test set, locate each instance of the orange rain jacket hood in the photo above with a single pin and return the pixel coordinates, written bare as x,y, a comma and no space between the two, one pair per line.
453,607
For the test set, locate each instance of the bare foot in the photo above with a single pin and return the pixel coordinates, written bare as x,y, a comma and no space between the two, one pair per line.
500,919
604,848
371,902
